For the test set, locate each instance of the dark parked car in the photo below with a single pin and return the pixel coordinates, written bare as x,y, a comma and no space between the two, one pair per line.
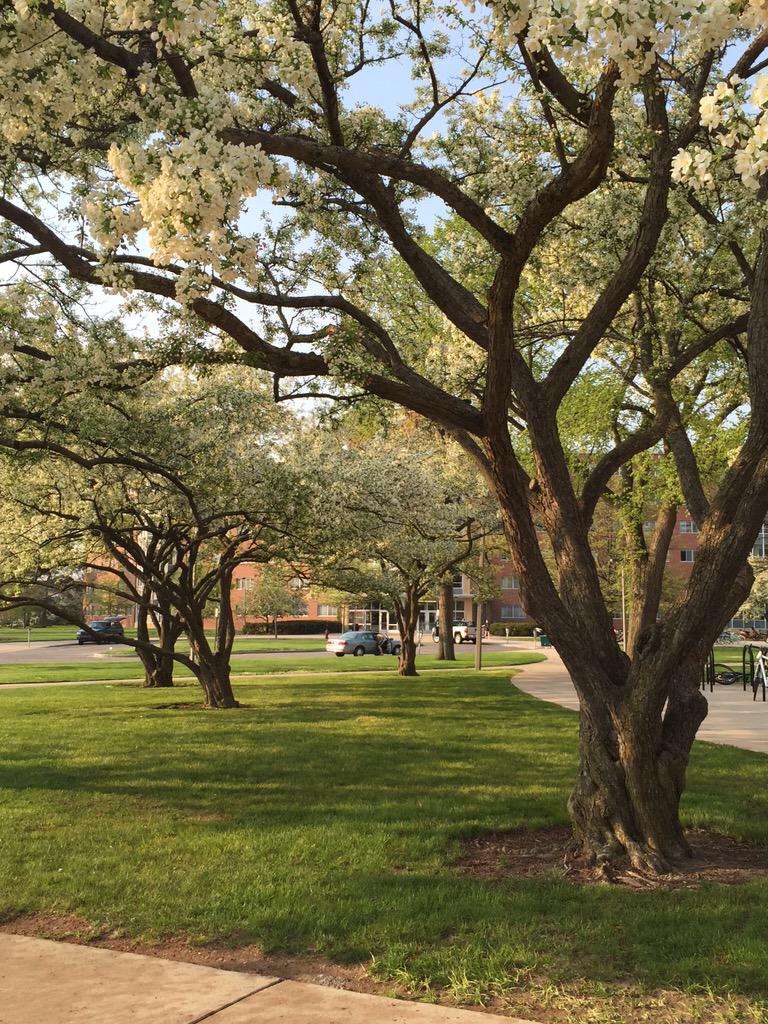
108,630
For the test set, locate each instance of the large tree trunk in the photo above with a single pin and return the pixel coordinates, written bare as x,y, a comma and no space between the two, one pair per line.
158,670
638,718
213,671
632,764
158,667
407,611
214,678
445,651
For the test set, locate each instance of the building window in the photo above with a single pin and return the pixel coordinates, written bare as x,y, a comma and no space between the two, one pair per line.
458,611
327,610
688,526
512,611
458,583
687,555
510,583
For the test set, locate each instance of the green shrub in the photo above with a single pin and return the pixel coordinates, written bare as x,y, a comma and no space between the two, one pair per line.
290,626
515,629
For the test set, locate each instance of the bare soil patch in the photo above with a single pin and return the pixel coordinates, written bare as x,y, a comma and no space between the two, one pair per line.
524,853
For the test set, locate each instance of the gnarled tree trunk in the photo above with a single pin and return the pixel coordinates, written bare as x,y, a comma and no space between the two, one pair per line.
632,762
407,611
212,665
158,666
158,669
214,677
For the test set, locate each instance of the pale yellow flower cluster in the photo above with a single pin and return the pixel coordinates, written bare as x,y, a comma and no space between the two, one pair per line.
628,32
693,167
737,116
181,20
189,191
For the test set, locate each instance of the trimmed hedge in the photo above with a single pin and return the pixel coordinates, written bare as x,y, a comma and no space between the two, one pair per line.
290,626
516,629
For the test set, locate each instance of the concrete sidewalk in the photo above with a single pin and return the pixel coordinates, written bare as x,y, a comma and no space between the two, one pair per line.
43,982
734,718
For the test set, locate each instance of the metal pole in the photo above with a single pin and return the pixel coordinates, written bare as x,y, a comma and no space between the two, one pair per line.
479,617
479,637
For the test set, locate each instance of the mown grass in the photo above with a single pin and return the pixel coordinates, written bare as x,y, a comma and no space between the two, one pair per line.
326,817
130,668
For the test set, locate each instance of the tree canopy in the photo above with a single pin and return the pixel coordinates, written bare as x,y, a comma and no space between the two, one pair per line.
562,210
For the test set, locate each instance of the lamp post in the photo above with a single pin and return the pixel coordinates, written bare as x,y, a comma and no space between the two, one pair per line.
479,615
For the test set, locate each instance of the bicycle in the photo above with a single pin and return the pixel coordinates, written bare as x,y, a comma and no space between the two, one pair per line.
760,673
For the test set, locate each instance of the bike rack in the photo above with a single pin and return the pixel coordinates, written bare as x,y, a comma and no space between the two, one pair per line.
708,673
747,674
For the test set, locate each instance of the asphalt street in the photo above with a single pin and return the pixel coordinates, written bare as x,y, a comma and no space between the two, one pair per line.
60,651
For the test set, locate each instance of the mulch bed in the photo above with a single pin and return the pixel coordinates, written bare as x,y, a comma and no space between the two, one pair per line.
524,853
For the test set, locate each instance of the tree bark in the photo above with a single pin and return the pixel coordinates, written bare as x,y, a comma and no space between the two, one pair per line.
214,678
632,764
158,670
407,611
445,651
638,718
647,578
158,667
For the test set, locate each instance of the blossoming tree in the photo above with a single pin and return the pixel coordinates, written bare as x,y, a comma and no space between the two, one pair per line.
135,135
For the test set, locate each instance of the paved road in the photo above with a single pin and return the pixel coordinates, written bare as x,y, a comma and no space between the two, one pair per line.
59,651
733,718
41,651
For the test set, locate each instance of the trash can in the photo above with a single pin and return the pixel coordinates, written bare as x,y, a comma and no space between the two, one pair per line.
544,640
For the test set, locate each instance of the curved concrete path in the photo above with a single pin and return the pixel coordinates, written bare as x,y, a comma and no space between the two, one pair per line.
44,982
734,718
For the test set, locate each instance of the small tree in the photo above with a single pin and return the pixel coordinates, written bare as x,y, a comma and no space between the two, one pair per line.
389,520
274,596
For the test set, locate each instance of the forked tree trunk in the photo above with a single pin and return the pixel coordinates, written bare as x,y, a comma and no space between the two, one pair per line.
632,764
446,651
158,670
647,576
214,678
213,669
407,611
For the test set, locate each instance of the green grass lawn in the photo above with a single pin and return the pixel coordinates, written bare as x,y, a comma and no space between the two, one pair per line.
14,635
326,817
130,668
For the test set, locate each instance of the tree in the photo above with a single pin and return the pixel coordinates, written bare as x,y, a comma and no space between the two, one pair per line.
387,520
273,596
154,503
756,605
621,156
